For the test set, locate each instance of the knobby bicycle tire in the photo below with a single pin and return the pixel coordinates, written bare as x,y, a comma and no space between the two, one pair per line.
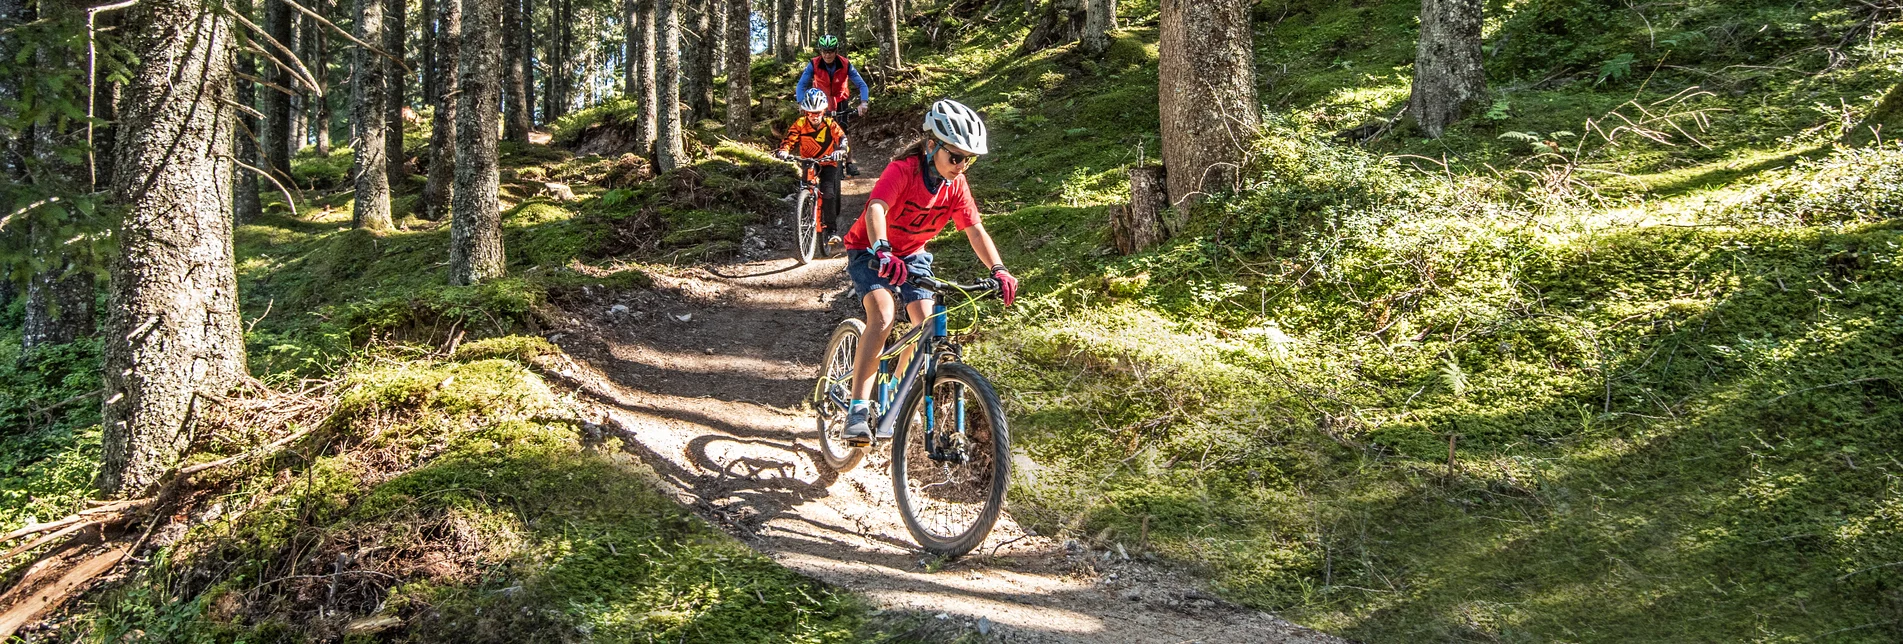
830,419
806,226
951,507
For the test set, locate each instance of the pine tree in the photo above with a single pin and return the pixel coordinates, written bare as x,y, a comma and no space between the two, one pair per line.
650,120
515,98
783,30
1099,19
739,68
475,232
395,36
368,100
277,104
1207,89
889,26
438,189
668,153
173,330
1448,76
699,88
245,202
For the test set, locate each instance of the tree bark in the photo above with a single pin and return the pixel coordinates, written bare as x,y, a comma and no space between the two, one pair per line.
528,60
173,330
277,105
739,69
1207,94
516,121
321,115
893,57
475,233
1145,222
427,50
649,122
12,161
1098,16
783,31
368,104
1448,76
668,151
395,36
836,18
442,145
700,71
245,202
805,37
295,142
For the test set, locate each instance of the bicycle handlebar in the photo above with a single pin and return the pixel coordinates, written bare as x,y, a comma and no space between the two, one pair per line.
981,287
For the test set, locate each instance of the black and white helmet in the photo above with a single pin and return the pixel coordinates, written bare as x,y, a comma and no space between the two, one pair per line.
953,123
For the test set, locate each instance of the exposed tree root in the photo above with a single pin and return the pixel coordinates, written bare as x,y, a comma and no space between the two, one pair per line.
92,542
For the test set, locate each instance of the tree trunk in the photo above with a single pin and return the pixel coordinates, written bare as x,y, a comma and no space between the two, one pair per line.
668,151
277,105
12,162
772,10
893,57
475,233
1098,16
394,37
630,50
368,101
806,24
1207,94
295,142
442,143
701,72
516,122
173,330
559,63
739,69
1448,77
1145,222
783,30
321,116
245,203
836,18
528,60
428,51
650,120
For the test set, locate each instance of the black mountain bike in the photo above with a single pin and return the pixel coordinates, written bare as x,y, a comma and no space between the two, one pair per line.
952,457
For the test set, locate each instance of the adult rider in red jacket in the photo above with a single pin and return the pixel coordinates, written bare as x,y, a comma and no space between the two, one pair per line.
832,72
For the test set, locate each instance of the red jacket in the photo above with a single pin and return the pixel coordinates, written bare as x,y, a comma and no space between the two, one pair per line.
837,85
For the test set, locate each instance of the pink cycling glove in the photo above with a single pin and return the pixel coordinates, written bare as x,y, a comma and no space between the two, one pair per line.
1007,285
891,266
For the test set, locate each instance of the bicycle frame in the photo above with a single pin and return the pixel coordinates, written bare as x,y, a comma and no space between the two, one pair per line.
923,366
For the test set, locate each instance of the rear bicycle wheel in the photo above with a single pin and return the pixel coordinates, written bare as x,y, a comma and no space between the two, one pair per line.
951,461
806,225
833,393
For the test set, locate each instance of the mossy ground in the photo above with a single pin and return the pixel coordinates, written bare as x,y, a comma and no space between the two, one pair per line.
459,495
1671,383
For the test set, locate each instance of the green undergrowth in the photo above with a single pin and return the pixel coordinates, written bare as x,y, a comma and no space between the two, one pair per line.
461,500
49,429
1657,433
316,289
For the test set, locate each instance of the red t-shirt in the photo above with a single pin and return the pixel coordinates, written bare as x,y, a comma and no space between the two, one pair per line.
913,214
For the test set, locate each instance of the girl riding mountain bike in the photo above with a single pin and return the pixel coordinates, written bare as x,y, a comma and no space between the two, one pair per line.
921,191
814,136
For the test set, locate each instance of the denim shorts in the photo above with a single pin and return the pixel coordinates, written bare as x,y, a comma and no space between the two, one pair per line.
864,271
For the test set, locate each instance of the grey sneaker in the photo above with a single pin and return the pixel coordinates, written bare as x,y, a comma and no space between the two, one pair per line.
858,430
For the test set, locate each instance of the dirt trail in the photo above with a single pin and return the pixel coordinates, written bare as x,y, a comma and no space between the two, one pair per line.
706,374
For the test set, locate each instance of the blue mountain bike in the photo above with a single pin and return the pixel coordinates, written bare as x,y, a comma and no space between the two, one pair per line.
951,459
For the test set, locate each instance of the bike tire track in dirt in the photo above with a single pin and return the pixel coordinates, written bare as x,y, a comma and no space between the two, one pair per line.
704,377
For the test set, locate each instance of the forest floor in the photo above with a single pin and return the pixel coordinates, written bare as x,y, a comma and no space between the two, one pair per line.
706,375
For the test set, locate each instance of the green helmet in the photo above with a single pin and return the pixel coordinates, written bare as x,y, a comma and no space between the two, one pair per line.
827,42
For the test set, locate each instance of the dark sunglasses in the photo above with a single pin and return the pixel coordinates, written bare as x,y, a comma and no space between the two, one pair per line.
959,159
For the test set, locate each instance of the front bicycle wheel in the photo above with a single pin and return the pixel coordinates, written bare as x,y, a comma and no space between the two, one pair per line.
833,393
806,226
951,461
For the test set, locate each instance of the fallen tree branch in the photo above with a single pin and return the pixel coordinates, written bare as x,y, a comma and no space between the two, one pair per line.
21,611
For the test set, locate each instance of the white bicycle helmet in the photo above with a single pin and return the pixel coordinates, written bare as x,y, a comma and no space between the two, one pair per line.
814,101
953,123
